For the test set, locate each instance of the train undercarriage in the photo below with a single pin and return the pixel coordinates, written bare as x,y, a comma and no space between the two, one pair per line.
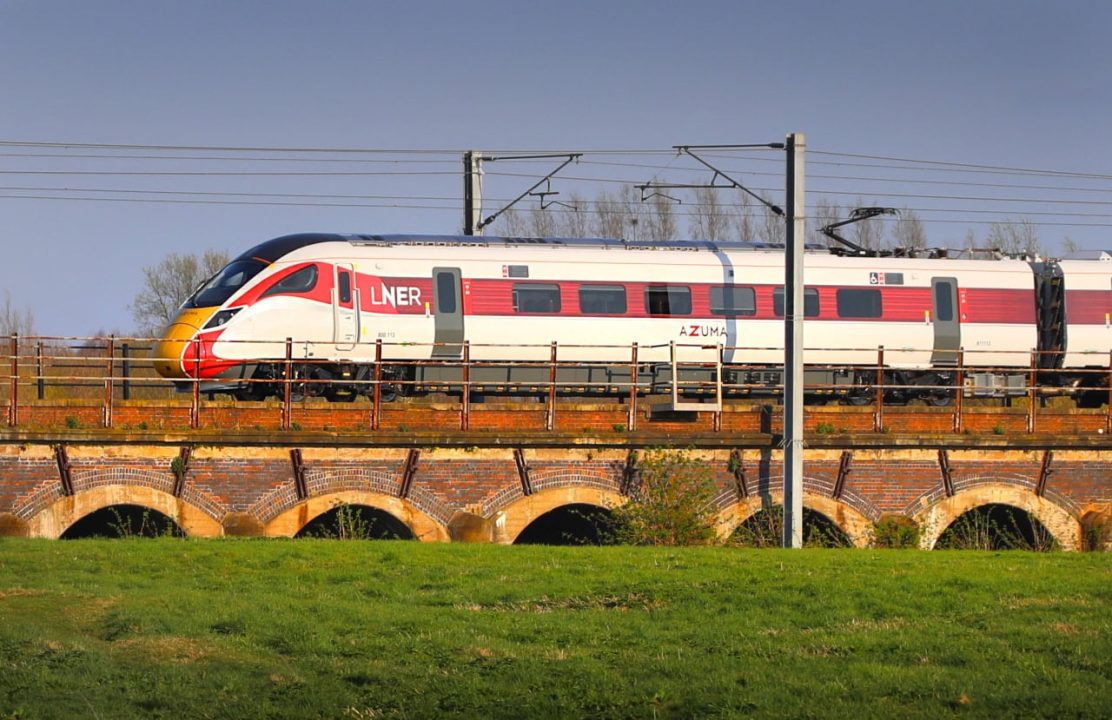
345,382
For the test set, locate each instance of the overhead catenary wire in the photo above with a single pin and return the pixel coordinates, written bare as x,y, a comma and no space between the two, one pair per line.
895,180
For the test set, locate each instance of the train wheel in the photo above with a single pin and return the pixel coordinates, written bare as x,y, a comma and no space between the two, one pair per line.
938,399
860,397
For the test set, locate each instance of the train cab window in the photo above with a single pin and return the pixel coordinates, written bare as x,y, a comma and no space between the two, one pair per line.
602,299
301,281
732,300
810,302
859,303
668,300
225,283
536,298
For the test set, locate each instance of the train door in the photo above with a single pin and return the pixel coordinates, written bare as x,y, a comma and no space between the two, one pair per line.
448,306
947,325
345,308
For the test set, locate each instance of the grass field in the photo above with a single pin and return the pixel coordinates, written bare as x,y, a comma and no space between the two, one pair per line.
313,628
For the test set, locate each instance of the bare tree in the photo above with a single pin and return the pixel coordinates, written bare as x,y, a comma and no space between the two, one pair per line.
824,213
1015,237
771,227
574,218
660,219
742,221
14,319
170,283
611,216
868,233
710,220
909,233
511,224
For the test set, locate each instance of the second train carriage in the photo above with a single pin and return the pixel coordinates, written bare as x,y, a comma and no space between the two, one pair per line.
510,298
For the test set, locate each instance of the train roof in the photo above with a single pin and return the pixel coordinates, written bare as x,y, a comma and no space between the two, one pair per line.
1102,255
556,242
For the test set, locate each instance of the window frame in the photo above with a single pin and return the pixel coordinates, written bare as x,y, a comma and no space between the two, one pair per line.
844,297
550,291
603,289
668,291
809,293
721,310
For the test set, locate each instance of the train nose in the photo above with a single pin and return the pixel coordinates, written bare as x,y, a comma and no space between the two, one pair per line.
169,351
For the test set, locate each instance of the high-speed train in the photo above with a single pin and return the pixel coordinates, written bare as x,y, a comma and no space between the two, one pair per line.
509,299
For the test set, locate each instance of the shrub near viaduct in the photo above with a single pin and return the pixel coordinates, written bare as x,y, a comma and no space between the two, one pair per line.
237,473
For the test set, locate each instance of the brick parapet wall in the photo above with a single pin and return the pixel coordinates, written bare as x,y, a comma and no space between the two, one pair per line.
569,417
256,480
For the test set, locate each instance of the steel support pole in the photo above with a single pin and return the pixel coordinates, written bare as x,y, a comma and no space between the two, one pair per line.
287,387
13,395
550,411
376,391
109,379
793,341
472,192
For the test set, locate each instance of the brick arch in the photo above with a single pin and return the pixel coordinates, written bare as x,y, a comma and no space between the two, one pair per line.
54,518
940,514
289,522
855,524
516,515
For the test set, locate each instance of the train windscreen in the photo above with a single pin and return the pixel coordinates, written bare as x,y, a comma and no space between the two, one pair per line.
224,284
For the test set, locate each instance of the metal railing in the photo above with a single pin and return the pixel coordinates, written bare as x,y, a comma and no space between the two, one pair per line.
108,370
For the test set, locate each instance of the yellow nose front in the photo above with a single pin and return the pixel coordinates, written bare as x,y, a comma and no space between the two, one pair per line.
169,353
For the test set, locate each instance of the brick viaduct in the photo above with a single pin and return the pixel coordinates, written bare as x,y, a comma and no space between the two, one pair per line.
237,473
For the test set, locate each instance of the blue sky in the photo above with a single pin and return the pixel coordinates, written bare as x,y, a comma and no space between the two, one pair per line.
1015,84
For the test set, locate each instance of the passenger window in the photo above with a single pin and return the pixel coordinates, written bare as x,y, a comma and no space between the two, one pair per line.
602,299
810,302
732,300
668,300
537,298
301,281
859,303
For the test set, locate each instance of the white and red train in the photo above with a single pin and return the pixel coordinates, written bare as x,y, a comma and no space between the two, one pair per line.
511,298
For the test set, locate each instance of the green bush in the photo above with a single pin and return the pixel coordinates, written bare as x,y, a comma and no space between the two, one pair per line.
896,531
671,504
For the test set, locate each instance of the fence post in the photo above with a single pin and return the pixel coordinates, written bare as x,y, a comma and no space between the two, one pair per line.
376,391
716,416
465,398
13,398
287,388
959,393
550,414
40,375
110,369
632,424
125,369
195,407
1032,391
878,416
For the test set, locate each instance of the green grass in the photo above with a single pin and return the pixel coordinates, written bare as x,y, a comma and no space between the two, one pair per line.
310,628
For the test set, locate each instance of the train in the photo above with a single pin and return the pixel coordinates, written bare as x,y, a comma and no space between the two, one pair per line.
352,312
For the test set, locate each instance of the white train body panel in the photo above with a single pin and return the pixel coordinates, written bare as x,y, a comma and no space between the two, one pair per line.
1088,300
382,272
416,298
